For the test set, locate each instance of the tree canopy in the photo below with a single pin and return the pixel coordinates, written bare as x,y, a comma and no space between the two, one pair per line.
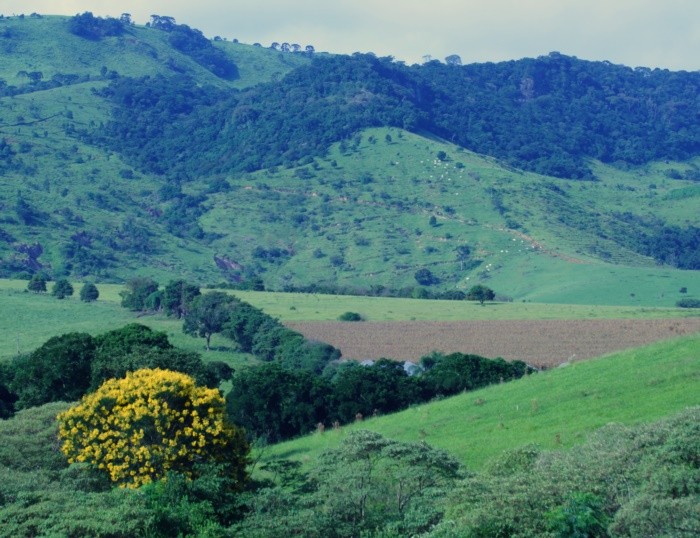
208,315
509,110
138,428
480,293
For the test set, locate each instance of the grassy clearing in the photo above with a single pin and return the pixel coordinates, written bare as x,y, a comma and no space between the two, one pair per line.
558,408
28,320
313,307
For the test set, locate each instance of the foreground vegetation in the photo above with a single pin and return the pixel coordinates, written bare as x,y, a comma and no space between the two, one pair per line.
622,481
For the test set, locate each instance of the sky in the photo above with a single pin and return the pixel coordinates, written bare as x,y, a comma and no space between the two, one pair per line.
648,33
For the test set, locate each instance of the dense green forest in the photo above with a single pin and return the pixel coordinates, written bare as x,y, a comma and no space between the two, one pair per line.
549,115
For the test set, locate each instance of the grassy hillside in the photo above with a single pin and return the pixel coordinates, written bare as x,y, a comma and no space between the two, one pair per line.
377,208
557,408
72,187
362,217
45,44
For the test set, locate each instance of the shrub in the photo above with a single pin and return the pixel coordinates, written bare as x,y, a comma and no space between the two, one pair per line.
138,428
136,292
425,277
89,293
350,316
62,289
37,284
687,302
57,371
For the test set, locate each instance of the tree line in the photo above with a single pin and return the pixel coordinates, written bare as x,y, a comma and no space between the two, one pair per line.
303,386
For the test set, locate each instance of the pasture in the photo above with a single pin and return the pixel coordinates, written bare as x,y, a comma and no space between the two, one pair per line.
29,319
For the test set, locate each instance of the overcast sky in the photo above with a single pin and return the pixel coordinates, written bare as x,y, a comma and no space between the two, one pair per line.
650,33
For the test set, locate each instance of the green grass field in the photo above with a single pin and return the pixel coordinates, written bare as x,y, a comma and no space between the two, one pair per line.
316,307
557,408
29,319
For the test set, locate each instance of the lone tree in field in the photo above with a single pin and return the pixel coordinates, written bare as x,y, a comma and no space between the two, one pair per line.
62,289
208,314
480,293
89,292
37,284
138,428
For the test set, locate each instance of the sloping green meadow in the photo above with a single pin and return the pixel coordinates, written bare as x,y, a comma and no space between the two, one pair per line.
552,409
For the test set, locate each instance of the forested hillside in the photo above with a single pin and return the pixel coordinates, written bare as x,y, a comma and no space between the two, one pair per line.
154,149
549,115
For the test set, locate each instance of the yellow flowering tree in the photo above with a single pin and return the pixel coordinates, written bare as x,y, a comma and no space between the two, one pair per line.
152,421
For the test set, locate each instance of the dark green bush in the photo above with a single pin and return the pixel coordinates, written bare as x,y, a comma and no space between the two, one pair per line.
687,302
89,292
350,316
62,289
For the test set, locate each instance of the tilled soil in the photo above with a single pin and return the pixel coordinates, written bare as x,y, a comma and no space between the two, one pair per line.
541,343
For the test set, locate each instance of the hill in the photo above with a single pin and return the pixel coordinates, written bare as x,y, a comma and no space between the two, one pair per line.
156,151
552,409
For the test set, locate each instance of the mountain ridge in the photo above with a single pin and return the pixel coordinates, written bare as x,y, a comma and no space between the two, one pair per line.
333,171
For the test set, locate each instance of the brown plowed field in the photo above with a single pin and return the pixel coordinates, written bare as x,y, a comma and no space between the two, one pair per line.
540,343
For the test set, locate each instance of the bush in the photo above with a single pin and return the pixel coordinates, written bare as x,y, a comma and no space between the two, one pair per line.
138,428
350,316
57,371
37,284
425,277
28,439
136,292
62,289
89,293
687,302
